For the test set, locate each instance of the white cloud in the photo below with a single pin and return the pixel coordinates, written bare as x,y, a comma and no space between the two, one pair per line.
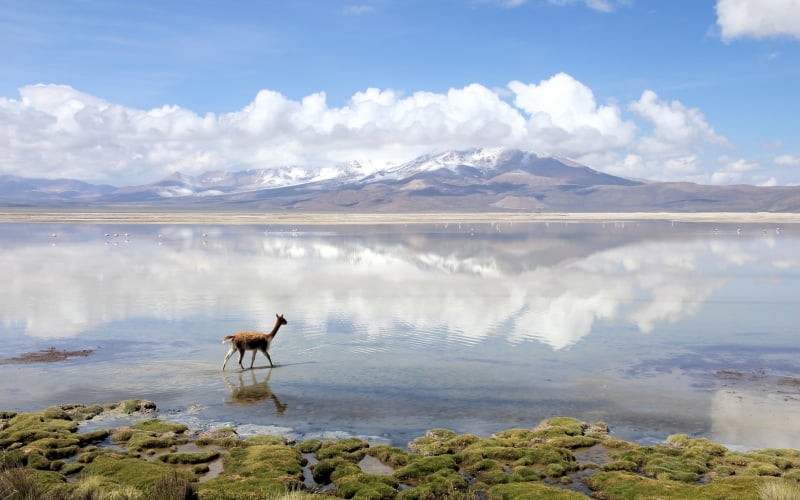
758,18
769,182
357,9
56,131
677,129
675,147
733,170
564,116
601,5
598,5
787,161
512,3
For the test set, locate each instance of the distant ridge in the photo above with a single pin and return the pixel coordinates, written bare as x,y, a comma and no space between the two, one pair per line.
475,180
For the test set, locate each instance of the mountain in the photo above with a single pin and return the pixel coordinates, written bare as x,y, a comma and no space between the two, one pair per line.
23,191
487,164
218,183
471,180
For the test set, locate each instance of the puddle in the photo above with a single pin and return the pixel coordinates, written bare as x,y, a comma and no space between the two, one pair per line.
308,477
215,468
371,465
597,454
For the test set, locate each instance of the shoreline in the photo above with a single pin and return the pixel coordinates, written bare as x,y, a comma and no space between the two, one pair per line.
235,217
561,457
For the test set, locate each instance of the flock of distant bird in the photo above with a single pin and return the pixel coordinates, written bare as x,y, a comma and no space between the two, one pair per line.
739,231
112,238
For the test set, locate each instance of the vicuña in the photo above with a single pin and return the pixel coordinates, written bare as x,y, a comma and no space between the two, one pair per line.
252,341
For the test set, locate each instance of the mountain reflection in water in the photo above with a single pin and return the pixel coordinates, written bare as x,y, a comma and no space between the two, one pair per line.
396,328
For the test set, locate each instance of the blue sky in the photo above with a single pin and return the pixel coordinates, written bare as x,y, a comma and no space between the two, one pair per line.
129,92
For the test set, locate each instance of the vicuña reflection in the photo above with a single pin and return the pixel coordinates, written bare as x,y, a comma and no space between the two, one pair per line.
540,287
255,392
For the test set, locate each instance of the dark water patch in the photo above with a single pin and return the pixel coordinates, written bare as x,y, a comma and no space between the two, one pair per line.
49,355
723,359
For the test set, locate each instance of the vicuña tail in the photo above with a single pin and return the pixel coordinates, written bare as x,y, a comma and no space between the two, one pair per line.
227,338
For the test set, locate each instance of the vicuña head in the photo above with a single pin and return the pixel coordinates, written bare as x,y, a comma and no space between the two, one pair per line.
253,341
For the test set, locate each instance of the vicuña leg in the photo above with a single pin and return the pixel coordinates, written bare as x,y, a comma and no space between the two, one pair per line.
228,356
266,353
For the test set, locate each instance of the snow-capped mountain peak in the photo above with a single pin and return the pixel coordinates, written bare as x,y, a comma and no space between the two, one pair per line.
480,159
222,182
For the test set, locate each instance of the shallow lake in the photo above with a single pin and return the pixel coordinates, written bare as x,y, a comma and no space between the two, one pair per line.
655,327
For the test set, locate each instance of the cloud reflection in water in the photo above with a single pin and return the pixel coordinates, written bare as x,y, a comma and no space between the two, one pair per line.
468,289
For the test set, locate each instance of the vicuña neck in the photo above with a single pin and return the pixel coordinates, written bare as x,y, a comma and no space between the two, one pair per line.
275,328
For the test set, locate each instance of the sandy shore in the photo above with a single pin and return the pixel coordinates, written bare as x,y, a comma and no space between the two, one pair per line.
330,218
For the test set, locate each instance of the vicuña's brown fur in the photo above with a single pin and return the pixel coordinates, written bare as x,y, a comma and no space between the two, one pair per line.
252,341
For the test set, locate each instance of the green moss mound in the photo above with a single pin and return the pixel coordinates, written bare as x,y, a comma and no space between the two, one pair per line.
352,449
225,437
441,442
626,485
531,491
129,470
421,467
44,455
159,426
256,468
360,485
190,458
390,455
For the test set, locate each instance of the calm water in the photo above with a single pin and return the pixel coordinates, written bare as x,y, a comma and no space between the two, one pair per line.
653,327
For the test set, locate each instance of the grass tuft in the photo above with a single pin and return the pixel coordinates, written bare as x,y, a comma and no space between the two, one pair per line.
173,487
18,483
779,490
